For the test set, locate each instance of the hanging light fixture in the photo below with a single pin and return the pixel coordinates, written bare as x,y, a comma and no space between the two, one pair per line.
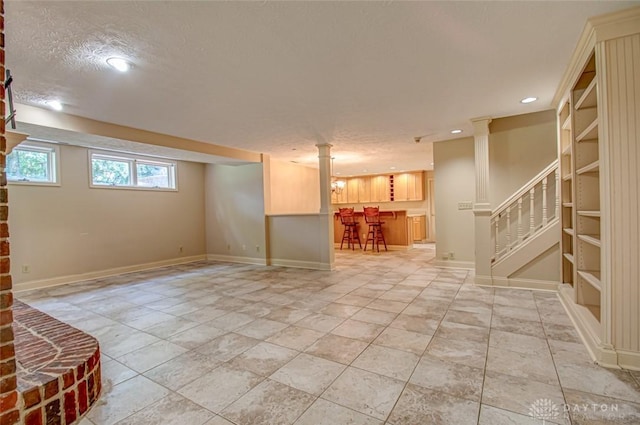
336,185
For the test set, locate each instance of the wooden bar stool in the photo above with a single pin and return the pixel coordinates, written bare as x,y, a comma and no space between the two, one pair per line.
350,234
372,218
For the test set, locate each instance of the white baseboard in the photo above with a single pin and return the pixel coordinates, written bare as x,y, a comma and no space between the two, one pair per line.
237,259
455,264
505,282
63,280
483,280
603,355
629,359
301,264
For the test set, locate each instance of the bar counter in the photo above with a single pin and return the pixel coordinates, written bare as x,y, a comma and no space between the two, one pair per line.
396,229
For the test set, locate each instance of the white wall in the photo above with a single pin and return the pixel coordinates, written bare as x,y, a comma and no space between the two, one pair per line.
294,188
73,229
296,241
519,148
235,212
454,177
544,268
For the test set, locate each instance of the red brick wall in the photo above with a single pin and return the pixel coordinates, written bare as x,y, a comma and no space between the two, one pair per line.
9,413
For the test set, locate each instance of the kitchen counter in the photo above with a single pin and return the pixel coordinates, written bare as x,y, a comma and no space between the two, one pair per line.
396,229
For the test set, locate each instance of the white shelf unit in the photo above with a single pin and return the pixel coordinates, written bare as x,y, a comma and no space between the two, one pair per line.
598,109
587,188
566,171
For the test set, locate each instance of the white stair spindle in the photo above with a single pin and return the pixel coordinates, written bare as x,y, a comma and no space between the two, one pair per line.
497,241
519,220
544,202
508,227
557,213
532,224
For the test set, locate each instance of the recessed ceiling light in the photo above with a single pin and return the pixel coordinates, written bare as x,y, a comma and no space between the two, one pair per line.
432,163
365,170
55,105
119,64
528,99
456,131
337,172
393,168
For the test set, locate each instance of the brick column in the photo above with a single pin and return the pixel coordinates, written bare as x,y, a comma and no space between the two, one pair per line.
9,413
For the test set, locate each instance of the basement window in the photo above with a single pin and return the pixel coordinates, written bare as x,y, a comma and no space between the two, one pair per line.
131,172
33,163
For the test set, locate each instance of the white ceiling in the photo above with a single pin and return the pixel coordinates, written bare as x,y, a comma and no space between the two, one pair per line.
279,77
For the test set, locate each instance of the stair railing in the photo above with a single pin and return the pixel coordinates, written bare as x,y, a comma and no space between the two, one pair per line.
526,212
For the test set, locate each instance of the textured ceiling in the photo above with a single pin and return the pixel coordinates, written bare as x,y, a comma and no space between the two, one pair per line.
279,77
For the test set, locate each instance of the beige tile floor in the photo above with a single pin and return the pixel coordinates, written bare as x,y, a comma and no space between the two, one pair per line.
386,338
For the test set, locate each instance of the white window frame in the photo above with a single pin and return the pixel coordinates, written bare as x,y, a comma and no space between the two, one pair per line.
133,161
53,153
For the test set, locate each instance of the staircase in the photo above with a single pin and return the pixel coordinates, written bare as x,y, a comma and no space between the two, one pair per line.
525,226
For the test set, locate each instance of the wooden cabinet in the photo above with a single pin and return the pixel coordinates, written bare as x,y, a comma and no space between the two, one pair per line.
598,109
359,189
352,190
419,228
408,186
381,188
364,189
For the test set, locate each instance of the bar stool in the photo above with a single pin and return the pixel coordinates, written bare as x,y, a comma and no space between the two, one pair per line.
372,218
350,234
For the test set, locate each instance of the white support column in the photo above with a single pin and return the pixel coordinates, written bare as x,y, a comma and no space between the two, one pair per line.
324,162
482,205
327,250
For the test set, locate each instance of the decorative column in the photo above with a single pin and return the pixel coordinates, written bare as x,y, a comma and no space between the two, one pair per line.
327,249
324,161
482,205
9,406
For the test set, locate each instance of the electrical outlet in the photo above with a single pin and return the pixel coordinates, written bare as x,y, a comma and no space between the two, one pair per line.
451,256
26,268
465,205
181,248
257,248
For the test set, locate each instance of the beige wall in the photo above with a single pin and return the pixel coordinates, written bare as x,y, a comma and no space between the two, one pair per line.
294,188
454,182
296,241
519,148
73,229
235,212
543,268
